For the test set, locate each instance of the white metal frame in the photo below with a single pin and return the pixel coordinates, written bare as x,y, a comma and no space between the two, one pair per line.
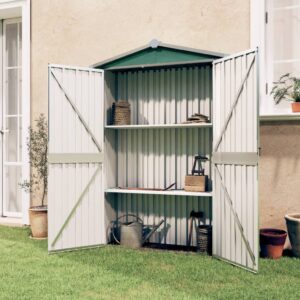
56,237
258,34
221,186
21,8
18,163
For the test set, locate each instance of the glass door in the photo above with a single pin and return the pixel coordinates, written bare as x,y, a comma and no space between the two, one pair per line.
11,130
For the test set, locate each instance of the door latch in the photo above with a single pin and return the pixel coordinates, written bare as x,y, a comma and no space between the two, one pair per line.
2,131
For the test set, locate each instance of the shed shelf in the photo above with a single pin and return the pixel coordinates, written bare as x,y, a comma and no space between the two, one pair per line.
159,126
167,193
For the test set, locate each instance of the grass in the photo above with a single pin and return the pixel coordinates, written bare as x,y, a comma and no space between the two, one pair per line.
112,272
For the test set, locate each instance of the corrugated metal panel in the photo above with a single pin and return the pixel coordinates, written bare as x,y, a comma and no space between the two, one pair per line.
175,210
67,134
166,96
240,180
155,158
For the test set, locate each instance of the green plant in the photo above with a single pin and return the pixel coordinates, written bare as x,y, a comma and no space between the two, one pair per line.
37,145
288,88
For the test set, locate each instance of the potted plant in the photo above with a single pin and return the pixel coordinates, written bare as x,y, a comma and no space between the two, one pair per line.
288,88
37,145
293,226
272,242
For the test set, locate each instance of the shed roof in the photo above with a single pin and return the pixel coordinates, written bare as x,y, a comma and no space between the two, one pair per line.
158,54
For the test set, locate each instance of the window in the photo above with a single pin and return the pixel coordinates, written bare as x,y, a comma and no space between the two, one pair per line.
282,43
276,29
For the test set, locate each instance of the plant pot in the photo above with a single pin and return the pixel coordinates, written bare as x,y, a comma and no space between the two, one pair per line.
293,226
38,218
272,242
296,106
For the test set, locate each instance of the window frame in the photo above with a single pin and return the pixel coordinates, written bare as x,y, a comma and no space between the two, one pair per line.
259,15
21,9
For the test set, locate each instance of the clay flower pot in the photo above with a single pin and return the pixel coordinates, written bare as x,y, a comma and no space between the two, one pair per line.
38,218
293,226
296,106
271,242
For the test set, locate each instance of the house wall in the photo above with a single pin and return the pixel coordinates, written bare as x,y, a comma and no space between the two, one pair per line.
76,32
279,178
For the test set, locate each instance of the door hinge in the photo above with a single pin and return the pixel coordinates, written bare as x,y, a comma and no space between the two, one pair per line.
266,17
267,88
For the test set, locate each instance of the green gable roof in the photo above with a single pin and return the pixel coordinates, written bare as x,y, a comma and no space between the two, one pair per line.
158,54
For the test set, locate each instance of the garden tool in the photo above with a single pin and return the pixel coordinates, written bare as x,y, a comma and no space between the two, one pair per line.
193,216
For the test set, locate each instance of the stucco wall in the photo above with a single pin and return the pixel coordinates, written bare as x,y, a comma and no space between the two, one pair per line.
77,32
279,171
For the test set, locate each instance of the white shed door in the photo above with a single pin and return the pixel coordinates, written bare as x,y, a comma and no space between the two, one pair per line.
76,134
235,159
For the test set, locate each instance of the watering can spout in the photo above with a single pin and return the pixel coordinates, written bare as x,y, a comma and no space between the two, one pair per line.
148,236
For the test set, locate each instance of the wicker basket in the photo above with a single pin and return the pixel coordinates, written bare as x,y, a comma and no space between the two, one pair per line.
204,239
121,113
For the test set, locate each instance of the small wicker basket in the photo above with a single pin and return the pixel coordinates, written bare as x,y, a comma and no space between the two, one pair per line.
204,239
121,113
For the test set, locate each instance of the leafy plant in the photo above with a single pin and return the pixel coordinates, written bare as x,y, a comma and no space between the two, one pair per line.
288,88
37,145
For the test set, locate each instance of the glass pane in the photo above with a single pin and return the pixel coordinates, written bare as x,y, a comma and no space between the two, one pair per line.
283,68
286,34
12,139
20,44
12,92
20,91
13,190
20,139
285,3
11,45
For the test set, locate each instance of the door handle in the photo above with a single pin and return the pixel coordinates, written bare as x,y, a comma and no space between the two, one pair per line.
2,131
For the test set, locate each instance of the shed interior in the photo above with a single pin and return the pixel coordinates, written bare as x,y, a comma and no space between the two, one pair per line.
158,148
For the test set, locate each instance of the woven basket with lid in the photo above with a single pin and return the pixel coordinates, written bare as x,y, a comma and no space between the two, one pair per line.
121,113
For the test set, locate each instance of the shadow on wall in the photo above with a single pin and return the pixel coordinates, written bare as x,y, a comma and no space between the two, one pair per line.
279,171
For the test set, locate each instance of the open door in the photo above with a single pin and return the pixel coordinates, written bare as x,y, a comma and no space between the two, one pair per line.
76,134
235,159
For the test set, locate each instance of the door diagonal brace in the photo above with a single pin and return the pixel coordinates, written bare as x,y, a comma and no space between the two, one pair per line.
77,111
75,206
236,218
236,99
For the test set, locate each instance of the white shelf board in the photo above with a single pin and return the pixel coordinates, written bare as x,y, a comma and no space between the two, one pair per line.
151,126
148,192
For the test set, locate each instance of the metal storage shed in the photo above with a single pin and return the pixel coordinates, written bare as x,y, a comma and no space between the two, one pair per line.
89,158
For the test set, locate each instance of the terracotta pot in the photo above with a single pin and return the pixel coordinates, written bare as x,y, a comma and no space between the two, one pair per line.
38,218
296,106
272,242
293,226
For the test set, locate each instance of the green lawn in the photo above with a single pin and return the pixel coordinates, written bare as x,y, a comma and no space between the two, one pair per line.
112,272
